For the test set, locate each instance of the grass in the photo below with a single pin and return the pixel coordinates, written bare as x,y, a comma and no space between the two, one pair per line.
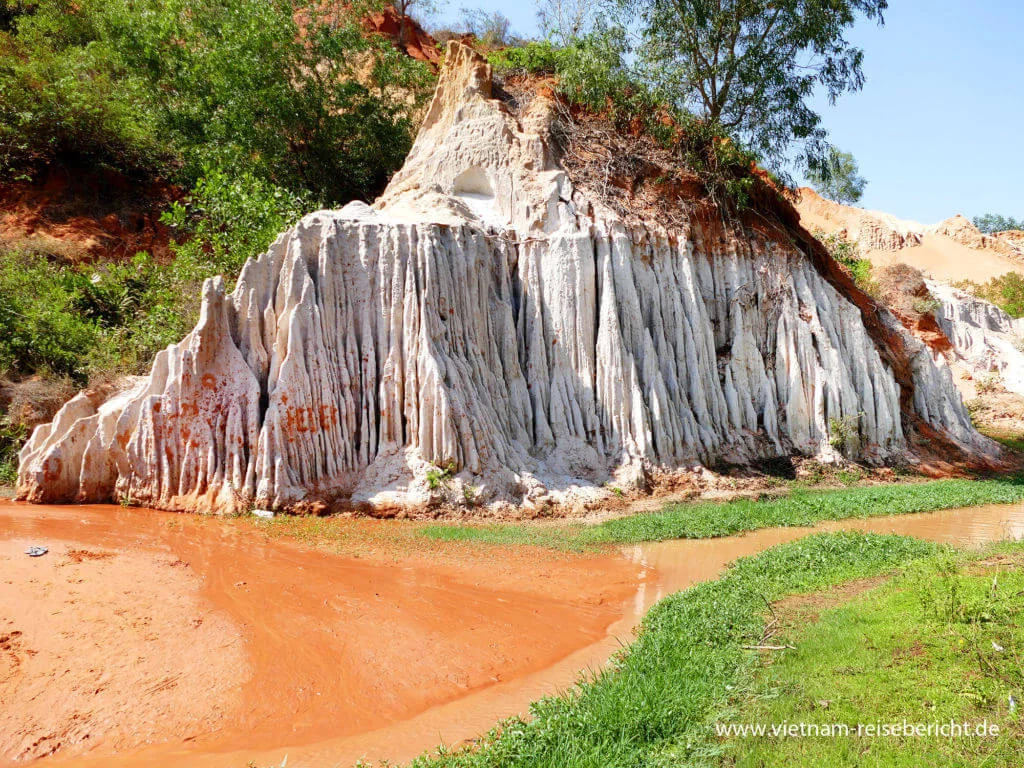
1010,438
941,642
711,519
652,705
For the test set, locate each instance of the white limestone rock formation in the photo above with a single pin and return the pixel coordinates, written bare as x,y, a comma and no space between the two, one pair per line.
984,338
486,319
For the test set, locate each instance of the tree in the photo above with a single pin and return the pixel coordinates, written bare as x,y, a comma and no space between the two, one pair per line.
991,223
565,21
837,178
751,66
492,29
303,99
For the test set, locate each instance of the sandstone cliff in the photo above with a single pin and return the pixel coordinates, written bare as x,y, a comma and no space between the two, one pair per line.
982,342
986,340
952,250
492,320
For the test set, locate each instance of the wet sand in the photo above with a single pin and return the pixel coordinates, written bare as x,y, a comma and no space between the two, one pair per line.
383,659
317,646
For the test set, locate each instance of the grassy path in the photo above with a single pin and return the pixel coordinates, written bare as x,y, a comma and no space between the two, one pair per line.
941,643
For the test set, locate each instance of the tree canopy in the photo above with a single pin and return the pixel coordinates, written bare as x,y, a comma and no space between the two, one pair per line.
302,98
752,66
837,178
990,223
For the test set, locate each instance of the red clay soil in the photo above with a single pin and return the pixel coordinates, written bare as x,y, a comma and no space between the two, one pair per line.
86,216
206,638
407,36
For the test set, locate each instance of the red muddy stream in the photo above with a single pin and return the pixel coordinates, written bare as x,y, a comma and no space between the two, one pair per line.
146,638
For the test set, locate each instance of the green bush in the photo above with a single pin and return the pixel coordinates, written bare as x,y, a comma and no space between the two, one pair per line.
112,318
845,251
41,327
66,97
11,438
1006,292
171,87
592,71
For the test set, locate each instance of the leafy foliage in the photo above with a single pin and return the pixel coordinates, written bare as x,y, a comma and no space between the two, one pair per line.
1005,291
837,178
594,72
80,320
12,435
752,66
66,97
991,223
41,327
175,86
263,108
845,251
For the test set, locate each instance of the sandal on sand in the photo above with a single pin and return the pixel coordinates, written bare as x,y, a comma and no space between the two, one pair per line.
36,551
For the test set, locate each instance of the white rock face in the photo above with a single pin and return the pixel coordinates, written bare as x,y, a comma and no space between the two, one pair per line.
984,337
484,316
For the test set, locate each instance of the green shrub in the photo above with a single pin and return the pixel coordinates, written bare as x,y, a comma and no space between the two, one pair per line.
65,96
1006,292
846,252
41,327
843,431
226,220
78,320
592,71
175,86
439,476
12,436
926,306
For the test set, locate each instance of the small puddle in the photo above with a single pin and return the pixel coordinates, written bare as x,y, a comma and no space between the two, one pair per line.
456,648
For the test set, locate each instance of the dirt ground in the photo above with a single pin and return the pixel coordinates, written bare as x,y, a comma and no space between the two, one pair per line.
89,634
205,637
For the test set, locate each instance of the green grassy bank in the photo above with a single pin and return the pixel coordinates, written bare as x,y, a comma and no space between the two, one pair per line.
694,664
940,643
710,519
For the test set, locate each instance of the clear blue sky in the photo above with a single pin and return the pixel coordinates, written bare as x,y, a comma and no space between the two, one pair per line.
939,126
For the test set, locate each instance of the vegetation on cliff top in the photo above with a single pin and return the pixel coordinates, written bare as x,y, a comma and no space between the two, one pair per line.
991,223
724,86
1005,291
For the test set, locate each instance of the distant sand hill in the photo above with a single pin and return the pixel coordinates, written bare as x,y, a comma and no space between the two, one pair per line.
950,251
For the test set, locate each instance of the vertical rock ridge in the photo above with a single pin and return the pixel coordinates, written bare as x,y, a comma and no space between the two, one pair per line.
471,319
